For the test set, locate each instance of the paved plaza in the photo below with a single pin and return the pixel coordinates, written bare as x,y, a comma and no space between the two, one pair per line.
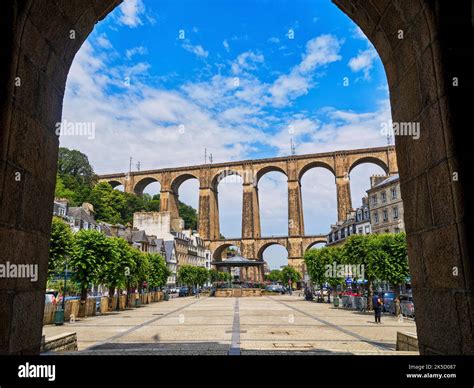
260,325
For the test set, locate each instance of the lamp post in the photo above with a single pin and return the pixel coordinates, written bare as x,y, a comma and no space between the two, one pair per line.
59,313
64,288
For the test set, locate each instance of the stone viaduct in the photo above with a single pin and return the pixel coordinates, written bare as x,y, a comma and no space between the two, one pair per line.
340,163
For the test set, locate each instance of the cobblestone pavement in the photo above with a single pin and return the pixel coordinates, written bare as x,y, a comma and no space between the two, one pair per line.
260,325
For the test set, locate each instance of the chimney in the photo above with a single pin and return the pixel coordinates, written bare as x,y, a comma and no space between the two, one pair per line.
114,230
88,208
376,179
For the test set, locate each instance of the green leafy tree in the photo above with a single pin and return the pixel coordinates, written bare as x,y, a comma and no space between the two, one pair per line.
189,216
213,275
395,266
159,272
109,204
289,274
92,250
142,270
61,246
76,173
187,276
202,276
118,265
225,277
275,276
62,192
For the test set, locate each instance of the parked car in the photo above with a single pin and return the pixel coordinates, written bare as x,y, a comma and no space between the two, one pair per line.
184,291
275,288
388,298
407,307
49,298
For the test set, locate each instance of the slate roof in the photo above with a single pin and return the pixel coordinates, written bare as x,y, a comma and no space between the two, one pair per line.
78,213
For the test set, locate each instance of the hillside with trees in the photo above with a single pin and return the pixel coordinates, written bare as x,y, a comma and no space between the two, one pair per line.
77,182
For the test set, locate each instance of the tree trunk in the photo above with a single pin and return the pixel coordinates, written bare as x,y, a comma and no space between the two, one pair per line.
370,305
111,296
82,304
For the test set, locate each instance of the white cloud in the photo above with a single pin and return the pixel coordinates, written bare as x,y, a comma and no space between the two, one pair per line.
140,50
103,41
246,62
363,61
196,50
130,13
274,39
319,52
226,45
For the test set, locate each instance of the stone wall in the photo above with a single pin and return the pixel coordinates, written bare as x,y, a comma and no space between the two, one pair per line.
407,341
64,342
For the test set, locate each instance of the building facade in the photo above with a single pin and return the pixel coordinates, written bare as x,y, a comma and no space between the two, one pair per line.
187,246
385,203
357,222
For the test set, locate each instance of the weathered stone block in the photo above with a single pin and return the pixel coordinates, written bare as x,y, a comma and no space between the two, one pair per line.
416,205
440,256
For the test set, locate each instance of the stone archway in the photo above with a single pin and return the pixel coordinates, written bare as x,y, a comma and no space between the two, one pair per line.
439,212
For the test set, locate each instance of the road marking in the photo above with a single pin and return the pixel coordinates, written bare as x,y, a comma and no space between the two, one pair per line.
235,342
135,328
336,327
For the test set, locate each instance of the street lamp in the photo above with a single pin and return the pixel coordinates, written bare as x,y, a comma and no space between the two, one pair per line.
59,313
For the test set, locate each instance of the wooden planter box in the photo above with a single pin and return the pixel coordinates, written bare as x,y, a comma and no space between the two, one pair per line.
104,305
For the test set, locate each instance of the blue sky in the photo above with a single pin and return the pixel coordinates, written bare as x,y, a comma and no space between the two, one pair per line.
163,80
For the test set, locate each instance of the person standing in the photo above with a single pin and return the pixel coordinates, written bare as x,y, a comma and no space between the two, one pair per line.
377,304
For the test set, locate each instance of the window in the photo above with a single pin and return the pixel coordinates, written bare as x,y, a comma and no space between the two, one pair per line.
384,196
367,229
395,212
374,200
360,231
359,215
62,211
376,217
366,214
394,192
385,215
397,230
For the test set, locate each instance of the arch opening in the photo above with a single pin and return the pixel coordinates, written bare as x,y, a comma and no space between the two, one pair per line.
319,200
229,191
273,203
274,254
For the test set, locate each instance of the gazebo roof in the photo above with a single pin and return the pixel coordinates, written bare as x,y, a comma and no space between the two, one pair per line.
237,261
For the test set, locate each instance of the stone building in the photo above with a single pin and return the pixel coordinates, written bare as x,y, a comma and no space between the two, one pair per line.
385,203
171,262
188,247
357,222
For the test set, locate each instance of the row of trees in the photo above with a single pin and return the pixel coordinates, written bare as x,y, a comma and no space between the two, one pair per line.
76,181
94,258
193,276
286,275
383,257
